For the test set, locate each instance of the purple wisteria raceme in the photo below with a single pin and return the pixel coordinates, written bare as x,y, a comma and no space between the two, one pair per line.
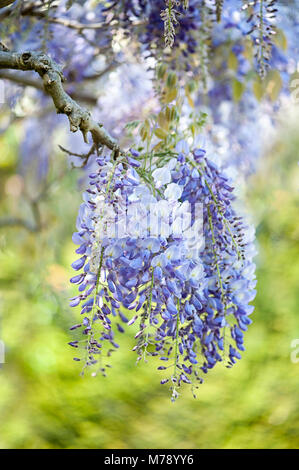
171,256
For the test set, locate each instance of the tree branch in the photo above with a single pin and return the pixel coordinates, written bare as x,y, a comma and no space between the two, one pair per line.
5,3
36,225
17,222
52,76
26,81
83,156
72,24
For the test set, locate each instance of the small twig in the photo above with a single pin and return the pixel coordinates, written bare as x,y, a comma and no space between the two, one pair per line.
84,156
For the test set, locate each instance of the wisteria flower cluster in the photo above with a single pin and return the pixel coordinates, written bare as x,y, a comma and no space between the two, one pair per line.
189,26
164,250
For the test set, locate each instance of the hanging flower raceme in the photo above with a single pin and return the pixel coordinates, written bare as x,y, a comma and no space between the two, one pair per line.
168,253
176,24
261,18
220,308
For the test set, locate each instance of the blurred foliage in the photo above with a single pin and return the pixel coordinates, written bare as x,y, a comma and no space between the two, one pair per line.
45,403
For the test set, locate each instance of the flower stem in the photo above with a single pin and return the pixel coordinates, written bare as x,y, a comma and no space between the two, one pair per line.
176,339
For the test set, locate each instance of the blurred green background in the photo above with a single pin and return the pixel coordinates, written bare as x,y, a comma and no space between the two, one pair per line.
45,403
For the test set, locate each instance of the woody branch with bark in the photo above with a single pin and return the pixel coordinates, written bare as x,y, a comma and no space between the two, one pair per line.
52,77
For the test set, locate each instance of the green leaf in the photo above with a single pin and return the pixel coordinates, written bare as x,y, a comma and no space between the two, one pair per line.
280,39
238,90
232,61
162,121
160,133
258,89
161,71
171,80
274,84
144,130
248,50
170,95
132,124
